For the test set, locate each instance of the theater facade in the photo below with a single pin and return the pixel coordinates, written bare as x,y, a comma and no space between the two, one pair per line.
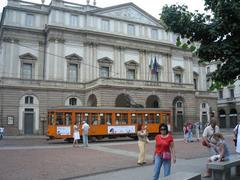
83,55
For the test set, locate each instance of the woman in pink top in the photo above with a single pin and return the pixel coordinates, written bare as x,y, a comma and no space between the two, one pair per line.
164,152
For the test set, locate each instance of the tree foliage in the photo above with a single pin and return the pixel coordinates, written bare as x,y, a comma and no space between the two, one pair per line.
218,35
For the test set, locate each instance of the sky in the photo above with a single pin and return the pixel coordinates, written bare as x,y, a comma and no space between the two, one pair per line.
152,7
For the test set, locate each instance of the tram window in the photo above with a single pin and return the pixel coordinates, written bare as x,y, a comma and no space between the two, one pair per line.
133,119
108,117
151,118
87,118
59,118
78,118
124,118
166,118
68,119
145,118
101,118
139,118
157,118
94,118
121,118
51,118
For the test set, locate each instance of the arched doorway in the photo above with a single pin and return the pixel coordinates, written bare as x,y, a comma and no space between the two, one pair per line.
92,100
222,118
178,113
233,118
204,114
123,100
152,102
29,115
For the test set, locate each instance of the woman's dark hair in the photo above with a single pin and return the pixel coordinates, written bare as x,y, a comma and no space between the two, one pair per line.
139,127
163,126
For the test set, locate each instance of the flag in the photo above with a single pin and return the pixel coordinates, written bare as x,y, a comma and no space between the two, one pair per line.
151,65
155,68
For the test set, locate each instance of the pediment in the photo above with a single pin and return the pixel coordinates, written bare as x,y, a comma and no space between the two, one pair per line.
195,73
131,63
129,12
74,56
28,56
178,68
105,60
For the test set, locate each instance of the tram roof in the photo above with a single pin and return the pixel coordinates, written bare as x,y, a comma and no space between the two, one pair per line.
104,108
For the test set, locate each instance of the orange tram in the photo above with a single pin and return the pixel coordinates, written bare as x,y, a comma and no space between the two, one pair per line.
108,122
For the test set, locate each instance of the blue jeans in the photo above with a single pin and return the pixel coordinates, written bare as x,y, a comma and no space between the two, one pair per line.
85,140
158,162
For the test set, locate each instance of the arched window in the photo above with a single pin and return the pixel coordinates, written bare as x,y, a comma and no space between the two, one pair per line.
203,105
28,100
179,104
72,101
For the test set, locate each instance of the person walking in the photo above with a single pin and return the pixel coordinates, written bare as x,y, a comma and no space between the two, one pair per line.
164,152
197,130
185,133
142,134
236,131
222,152
76,135
85,129
208,132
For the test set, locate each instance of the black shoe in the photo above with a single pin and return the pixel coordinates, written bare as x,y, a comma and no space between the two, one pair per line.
140,164
144,163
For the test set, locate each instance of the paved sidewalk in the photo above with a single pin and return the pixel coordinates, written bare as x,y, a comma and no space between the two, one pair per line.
35,158
146,172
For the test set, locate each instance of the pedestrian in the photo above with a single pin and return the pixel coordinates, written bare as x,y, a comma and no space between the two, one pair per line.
85,129
190,134
164,152
237,137
208,132
197,130
142,134
185,133
76,135
1,132
222,152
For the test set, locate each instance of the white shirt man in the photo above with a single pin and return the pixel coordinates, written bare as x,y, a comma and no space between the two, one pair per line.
85,129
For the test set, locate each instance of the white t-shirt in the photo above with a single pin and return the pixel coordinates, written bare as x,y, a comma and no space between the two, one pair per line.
85,128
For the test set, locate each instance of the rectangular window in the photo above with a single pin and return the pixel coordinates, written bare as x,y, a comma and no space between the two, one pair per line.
154,34
104,71
27,71
231,93
220,94
195,84
208,83
74,20
30,20
208,69
131,30
131,74
178,78
73,72
105,25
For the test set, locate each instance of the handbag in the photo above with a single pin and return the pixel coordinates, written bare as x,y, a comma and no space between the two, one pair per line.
166,155
204,143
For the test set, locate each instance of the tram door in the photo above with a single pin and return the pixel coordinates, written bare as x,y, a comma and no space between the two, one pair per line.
28,121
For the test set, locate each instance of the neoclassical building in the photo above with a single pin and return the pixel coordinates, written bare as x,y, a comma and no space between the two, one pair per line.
82,55
228,103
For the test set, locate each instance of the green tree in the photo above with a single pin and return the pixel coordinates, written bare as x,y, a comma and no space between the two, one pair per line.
217,33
